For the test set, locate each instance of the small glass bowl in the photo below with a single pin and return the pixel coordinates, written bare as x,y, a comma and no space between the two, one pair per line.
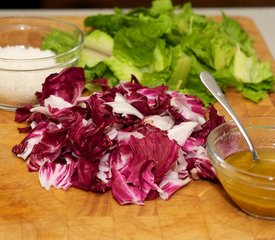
21,78
253,193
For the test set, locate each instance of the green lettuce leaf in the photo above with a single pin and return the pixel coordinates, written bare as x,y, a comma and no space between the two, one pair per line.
136,44
172,45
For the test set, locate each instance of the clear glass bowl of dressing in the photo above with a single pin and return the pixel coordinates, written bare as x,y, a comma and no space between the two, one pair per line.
250,183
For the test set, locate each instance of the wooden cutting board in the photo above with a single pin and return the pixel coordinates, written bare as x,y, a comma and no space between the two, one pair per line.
200,210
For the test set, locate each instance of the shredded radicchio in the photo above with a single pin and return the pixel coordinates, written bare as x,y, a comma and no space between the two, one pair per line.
138,142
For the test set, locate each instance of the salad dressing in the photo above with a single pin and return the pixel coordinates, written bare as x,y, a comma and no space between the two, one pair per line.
265,166
248,194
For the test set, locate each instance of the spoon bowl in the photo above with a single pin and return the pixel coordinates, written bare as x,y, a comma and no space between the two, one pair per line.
212,86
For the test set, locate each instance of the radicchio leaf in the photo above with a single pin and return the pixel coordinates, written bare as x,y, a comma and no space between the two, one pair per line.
68,84
138,142
56,174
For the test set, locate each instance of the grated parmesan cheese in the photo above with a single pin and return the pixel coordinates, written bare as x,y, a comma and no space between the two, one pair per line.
21,52
22,72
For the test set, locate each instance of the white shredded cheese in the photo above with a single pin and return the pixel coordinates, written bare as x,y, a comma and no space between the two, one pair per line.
22,74
21,52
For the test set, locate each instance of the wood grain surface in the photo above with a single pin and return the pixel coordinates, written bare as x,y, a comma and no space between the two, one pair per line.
201,210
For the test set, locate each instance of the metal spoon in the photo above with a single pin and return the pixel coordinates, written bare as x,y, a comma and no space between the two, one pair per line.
211,84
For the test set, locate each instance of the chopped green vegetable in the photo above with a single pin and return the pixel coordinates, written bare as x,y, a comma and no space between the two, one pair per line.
99,41
180,69
98,46
249,70
97,71
63,44
59,41
171,45
136,44
90,58
122,69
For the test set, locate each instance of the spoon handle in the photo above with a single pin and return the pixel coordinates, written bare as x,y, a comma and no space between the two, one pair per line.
211,84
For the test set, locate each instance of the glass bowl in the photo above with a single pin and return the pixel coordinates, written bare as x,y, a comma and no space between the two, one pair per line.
251,185
23,72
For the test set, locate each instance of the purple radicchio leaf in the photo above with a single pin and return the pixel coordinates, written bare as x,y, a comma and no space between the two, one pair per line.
140,166
68,84
138,142
57,174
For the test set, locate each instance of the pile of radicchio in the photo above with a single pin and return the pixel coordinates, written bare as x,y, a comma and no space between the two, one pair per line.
137,142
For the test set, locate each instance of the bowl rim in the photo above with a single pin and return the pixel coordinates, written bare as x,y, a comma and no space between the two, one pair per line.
48,19
228,166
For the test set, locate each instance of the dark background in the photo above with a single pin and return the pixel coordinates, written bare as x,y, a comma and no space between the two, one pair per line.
52,4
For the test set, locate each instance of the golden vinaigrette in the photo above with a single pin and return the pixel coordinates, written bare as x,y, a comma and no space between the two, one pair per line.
265,166
253,194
